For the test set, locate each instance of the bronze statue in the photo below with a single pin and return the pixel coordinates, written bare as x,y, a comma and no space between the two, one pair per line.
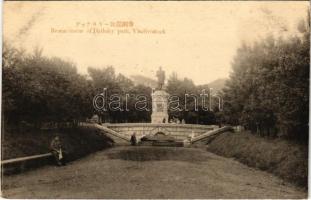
161,78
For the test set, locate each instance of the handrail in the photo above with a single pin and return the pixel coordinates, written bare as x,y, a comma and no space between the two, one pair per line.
112,132
22,159
108,130
210,133
198,126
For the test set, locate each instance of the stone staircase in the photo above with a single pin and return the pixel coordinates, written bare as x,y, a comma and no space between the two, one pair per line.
209,135
118,138
123,138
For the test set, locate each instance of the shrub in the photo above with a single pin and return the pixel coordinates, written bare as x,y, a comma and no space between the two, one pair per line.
283,158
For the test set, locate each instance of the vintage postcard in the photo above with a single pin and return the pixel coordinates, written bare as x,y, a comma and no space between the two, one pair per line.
155,99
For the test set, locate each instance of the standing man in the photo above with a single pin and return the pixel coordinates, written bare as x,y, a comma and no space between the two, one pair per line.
57,151
133,139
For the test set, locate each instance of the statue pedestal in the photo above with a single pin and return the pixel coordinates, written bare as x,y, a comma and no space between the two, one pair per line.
159,107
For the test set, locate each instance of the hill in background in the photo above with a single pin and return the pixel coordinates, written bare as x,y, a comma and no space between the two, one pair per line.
143,80
217,85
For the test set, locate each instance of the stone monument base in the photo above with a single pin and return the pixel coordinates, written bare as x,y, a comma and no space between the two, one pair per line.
159,107
158,118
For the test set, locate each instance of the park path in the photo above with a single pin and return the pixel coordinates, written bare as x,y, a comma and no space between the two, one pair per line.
178,173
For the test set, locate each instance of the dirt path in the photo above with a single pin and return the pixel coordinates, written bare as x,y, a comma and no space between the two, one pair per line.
148,172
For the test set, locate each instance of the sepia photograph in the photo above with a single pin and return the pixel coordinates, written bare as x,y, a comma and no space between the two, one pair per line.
155,99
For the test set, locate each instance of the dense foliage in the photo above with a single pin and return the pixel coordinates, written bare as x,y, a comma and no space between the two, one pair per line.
191,107
38,90
268,91
127,94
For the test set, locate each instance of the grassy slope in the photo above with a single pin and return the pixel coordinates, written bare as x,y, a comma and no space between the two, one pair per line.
77,142
286,160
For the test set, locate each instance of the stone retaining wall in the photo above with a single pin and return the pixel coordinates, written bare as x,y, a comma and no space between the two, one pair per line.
179,131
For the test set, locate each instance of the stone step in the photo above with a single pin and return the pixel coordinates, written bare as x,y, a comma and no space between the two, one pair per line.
118,138
211,134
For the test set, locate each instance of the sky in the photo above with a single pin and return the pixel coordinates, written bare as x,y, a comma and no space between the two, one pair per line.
197,39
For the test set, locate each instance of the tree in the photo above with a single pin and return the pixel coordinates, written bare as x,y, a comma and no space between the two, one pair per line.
38,89
268,90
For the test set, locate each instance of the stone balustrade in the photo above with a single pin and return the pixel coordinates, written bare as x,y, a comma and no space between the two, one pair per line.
178,131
